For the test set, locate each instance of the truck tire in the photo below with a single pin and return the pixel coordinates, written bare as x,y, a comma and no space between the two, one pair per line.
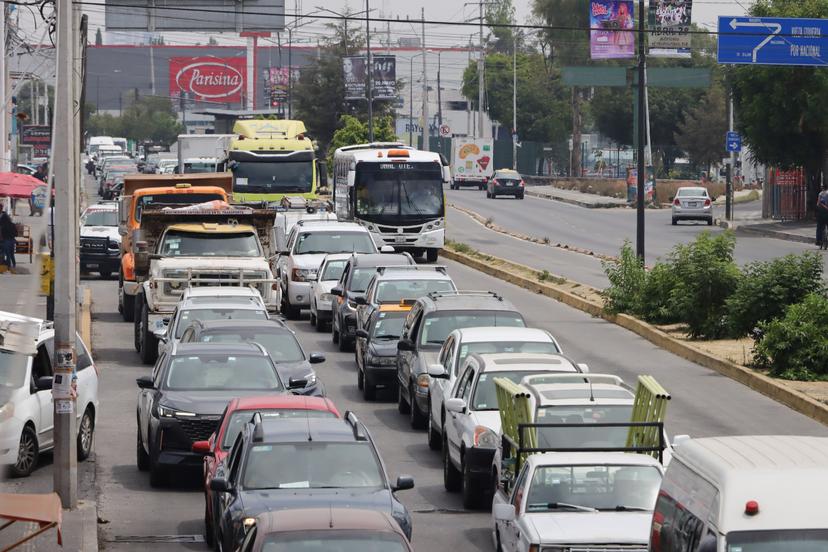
451,476
431,255
147,341
472,493
125,306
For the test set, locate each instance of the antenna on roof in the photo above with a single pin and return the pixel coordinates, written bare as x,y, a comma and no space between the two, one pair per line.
591,394
330,515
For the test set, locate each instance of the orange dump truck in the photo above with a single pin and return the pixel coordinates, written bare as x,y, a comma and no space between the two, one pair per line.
141,190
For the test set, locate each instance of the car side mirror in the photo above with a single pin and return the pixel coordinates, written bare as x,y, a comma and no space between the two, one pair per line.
456,405
387,249
145,382
504,512
403,483
405,345
316,358
437,371
202,447
297,383
362,333
44,383
337,291
220,485
360,300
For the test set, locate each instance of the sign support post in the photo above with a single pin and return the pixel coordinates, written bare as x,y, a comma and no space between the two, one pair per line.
642,69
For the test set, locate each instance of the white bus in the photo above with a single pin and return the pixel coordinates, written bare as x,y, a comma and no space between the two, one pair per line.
396,192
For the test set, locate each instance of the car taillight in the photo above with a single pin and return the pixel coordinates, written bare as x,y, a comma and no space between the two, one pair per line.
707,203
521,183
677,203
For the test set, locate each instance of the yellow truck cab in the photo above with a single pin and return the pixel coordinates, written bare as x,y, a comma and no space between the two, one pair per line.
272,159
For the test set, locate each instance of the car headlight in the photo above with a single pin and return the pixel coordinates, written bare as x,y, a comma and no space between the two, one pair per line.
484,437
167,412
114,245
381,360
303,274
326,297
311,379
6,412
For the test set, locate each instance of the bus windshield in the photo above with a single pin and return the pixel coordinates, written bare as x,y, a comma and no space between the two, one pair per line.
399,189
273,177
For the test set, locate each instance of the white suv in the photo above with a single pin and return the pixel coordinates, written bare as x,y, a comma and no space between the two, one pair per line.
26,409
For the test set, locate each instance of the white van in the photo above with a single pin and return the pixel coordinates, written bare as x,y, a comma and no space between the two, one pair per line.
743,494
96,142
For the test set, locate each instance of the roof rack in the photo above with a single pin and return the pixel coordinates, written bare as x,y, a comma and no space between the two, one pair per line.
356,427
304,222
594,379
464,293
375,145
436,268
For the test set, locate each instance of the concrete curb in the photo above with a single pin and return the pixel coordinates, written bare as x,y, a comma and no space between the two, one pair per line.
766,233
572,201
765,385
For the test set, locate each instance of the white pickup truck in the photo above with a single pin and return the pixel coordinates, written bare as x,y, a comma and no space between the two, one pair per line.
197,246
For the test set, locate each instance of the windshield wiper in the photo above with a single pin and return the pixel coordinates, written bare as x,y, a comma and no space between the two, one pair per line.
387,337
563,506
622,508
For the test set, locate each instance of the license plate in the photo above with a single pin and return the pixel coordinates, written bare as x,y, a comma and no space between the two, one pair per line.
510,183
692,203
399,239
93,265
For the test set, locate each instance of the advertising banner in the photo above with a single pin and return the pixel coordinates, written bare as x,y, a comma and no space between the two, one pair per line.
632,185
39,137
384,82
669,28
213,79
277,84
611,23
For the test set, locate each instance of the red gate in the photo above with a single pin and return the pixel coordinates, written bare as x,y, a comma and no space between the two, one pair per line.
788,194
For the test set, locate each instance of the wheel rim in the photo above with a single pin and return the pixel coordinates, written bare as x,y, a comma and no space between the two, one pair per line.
86,433
26,452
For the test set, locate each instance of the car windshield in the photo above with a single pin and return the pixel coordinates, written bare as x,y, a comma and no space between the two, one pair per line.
394,291
13,369
395,189
437,326
593,487
273,177
789,540
101,218
216,372
485,395
241,417
188,316
313,465
334,541
172,199
484,347
334,242
333,270
507,176
199,167
210,244
389,325
692,192
580,435
281,344
361,278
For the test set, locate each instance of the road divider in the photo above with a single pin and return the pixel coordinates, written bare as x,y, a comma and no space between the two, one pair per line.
590,300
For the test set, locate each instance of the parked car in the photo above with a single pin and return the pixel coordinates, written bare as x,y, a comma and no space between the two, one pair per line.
692,203
322,300
472,426
315,462
26,381
238,413
355,278
431,320
329,529
291,361
505,182
182,401
464,341
376,349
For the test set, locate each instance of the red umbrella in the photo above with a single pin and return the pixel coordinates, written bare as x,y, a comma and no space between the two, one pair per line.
18,185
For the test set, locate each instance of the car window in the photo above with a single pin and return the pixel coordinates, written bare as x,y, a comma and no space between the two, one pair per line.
309,243
463,382
438,325
334,541
485,393
156,370
84,361
234,461
447,354
388,325
188,316
13,368
543,347
240,417
692,192
281,345
42,366
466,391
333,270
213,372
361,278
394,291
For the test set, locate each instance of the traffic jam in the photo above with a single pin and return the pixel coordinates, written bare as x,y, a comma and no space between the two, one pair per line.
216,271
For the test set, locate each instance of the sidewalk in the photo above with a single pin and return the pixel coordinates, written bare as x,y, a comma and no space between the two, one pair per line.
802,232
590,201
19,293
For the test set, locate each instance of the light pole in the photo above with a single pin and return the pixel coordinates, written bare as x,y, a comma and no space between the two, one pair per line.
369,70
639,235
411,97
514,102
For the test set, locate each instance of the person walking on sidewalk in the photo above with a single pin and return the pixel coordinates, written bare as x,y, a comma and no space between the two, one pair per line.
822,215
8,233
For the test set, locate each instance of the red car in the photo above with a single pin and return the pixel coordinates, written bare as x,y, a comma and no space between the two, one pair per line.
238,413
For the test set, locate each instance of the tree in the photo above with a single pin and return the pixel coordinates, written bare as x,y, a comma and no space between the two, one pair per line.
147,119
98,37
352,131
781,111
702,133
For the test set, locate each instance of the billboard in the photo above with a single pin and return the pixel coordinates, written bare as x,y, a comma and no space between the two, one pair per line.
611,25
39,137
384,81
212,79
277,84
669,28
195,15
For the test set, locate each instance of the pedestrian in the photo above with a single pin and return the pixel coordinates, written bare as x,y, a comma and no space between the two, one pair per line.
8,233
40,173
822,215
90,166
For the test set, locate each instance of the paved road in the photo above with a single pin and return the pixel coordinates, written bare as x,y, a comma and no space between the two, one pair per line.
604,230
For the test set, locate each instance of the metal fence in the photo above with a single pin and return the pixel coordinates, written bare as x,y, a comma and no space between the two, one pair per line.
789,192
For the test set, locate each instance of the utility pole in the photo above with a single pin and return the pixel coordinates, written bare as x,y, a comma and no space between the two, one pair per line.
426,129
439,90
369,70
4,120
411,102
481,77
642,69
65,470
514,101
732,164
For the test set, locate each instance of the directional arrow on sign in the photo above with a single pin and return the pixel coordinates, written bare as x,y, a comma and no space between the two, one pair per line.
775,29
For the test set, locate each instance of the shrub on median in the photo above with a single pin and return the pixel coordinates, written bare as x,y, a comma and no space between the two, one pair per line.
627,276
796,345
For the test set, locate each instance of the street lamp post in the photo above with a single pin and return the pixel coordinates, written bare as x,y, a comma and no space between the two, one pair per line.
369,73
411,97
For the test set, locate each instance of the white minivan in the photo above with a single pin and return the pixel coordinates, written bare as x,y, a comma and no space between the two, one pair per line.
743,494
26,409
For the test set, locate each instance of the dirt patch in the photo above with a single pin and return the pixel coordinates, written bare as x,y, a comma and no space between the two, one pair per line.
617,187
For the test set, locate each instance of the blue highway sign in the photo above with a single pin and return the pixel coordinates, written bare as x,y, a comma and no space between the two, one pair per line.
733,141
773,41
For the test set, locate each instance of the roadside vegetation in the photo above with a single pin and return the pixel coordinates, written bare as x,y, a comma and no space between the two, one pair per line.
781,303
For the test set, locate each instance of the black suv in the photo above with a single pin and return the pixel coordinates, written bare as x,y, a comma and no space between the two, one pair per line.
376,350
184,397
301,463
353,283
